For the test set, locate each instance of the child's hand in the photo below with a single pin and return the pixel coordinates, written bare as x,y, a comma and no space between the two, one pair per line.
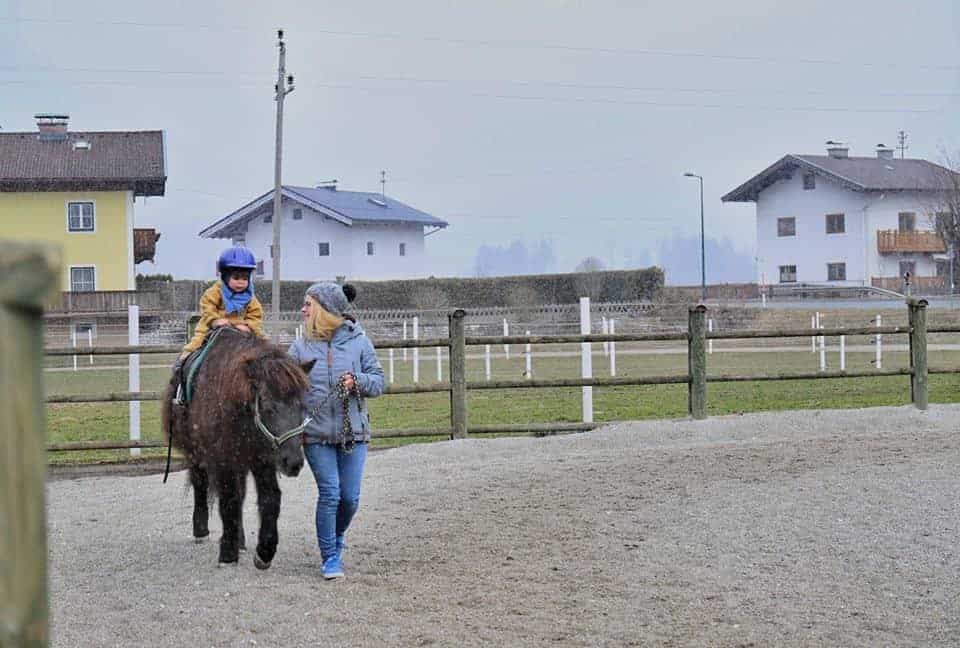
348,381
243,327
220,322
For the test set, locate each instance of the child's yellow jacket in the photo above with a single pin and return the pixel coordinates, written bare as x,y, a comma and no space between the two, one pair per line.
212,308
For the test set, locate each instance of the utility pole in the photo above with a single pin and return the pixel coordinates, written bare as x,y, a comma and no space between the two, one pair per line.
383,184
281,90
902,143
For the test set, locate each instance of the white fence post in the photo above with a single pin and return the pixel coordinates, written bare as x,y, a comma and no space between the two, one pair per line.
133,339
404,337
710,330
529,371
586,361
416,350
613,350
391,365
506,332
813,338
90,341
823,347
843,353
486,361
879,343
439,365
604,328
73,340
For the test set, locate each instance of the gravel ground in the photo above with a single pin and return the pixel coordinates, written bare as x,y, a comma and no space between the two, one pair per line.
795,528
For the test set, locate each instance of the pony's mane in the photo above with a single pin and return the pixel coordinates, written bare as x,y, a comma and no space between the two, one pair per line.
247,359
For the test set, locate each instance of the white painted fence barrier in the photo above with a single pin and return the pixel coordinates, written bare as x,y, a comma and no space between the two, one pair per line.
586,361
133,382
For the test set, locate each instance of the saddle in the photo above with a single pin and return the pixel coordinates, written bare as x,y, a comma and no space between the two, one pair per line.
191,365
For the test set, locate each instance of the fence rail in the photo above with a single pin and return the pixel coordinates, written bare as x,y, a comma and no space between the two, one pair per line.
457,386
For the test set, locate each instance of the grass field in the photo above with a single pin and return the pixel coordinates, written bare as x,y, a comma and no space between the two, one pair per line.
109,421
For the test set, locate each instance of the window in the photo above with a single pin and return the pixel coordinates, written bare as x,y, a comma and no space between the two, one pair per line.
944,222
369,248
908,266
836,272
84,332
297,214
943,268
83,279
324,249
260,268
271,251
403,249
908,221
809,181
788,274
268,218
80,217
836,224
787,226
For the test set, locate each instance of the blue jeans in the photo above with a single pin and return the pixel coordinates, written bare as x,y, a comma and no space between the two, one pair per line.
338,476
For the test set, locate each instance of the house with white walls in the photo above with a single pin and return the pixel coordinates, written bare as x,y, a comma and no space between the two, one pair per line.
851,221
326,232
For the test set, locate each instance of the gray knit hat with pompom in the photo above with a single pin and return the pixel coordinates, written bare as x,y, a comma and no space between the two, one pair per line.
334,298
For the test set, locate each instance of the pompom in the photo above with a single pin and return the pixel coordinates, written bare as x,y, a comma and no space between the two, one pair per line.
350,292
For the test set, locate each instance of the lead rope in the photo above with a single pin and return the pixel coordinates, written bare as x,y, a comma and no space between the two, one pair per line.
347,441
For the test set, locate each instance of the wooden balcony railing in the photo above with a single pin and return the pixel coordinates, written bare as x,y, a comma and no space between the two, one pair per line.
918,285
103,301
919,241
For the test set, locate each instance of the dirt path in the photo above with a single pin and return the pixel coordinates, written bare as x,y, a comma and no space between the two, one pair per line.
794,528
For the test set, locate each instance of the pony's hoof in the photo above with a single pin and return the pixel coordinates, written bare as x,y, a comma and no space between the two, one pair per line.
228,564
201,539
260,564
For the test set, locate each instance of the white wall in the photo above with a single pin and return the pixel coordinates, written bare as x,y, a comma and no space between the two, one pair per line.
812,248
300,256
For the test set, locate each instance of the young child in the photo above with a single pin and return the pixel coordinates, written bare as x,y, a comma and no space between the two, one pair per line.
227,302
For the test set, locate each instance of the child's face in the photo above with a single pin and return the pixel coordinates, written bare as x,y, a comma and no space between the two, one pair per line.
238,281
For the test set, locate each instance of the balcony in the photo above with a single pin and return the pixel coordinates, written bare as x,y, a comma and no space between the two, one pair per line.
918,285
103,302
892,241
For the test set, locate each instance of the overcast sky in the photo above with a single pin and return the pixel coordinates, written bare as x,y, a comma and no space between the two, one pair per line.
530,120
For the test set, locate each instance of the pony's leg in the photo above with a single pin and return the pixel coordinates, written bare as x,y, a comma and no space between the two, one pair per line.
268,503
201,514
230,507
242,490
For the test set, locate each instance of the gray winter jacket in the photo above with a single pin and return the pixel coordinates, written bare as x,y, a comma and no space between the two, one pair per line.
350,351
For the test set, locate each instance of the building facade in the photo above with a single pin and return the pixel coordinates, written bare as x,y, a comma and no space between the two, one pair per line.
327,233
78,189
848,221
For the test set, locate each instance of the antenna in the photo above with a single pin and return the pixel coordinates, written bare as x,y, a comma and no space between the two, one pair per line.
902,139
383,184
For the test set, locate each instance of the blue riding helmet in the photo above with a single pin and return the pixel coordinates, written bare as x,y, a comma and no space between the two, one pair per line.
237,257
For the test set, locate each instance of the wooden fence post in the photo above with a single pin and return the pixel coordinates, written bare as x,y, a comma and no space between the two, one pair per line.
29,276
697,362
918,352
458,374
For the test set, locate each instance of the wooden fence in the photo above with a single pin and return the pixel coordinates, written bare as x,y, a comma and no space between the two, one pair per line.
28,274
696,377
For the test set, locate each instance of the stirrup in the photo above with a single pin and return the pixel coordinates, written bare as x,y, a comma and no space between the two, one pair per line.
178,398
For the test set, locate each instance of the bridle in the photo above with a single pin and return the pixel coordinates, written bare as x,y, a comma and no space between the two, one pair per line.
276,440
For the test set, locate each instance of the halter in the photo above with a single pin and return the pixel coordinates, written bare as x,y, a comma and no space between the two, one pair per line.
276,440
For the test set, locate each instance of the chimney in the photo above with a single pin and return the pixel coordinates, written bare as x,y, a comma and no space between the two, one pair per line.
884,152
52,127
837,150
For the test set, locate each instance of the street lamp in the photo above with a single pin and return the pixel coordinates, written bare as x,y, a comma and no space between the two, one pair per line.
703,254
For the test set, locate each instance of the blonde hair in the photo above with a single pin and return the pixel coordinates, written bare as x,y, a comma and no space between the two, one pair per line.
321,323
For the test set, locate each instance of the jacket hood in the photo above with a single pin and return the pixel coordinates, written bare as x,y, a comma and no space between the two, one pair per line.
347,331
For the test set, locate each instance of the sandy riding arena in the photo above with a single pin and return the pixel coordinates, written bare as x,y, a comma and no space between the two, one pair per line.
805,528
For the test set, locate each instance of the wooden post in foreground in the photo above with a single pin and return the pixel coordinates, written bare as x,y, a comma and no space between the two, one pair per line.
918,351
458,374
29,275
697,362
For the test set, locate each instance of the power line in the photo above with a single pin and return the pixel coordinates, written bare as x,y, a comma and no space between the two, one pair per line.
507,43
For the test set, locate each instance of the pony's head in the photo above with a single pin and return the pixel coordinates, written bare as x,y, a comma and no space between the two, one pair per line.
278,385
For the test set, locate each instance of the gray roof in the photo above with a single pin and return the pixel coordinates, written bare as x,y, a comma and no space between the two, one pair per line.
855,173
122,160
347,207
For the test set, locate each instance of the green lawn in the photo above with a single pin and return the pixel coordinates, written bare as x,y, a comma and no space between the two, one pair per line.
108,421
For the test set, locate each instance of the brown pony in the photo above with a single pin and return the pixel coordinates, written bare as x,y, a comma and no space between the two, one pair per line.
245,415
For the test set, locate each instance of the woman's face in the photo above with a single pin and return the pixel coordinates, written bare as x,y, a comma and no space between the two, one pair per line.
307,308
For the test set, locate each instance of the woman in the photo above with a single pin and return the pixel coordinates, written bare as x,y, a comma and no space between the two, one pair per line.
347,371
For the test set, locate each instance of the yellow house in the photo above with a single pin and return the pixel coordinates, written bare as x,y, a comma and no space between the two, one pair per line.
78,189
